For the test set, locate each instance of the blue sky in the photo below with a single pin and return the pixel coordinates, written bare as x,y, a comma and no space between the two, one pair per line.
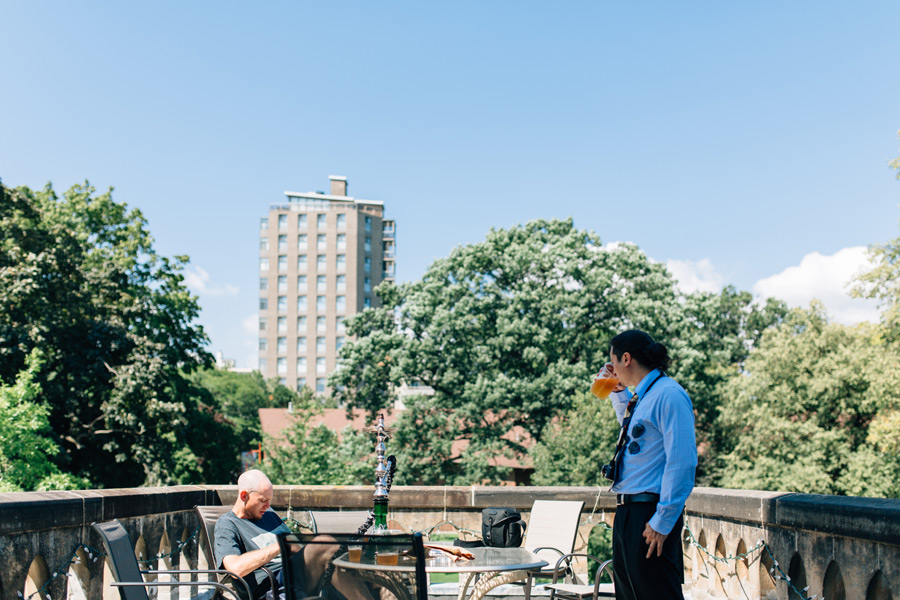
740,143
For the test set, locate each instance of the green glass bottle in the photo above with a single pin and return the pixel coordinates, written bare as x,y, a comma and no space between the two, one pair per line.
380,512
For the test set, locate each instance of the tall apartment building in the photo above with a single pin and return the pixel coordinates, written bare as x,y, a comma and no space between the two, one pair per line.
320,257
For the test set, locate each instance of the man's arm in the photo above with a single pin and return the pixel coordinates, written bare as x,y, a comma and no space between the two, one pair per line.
246,563
676,422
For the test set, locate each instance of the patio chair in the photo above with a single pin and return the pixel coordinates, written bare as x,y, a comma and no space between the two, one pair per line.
332,521
552,529
404,578
580,591
208,515
129,578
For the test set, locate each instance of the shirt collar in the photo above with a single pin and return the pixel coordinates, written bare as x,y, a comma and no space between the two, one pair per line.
645,382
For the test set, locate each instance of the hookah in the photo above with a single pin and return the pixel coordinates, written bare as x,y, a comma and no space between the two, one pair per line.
384,475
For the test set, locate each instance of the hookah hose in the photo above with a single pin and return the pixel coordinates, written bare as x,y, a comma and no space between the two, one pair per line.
325,580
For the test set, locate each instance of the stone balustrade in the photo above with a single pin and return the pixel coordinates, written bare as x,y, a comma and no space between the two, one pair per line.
841,548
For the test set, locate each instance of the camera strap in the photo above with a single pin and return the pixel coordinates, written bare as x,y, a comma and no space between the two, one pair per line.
626,421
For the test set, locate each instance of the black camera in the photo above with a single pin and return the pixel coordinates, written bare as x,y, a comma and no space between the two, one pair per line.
609,471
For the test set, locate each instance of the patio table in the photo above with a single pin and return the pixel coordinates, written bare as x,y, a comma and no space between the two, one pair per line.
486,560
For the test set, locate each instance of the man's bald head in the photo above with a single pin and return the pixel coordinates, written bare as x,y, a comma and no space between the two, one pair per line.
253,480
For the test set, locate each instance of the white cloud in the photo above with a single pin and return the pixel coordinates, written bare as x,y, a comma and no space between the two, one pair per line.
197,280
699,276
827,279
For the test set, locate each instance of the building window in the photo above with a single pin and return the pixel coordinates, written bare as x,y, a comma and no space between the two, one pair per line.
320,365
367,302
341,263
340,303
282,324
282,263
263,284
282,304
341,282
301,221
264,224
320,385
263,365
301,383
320,345
264,264
321,242
301,344
301,282
389,249
320,221
282,222
341,222
282,345
339,343
301,364
339,324
321,283
282,243
321,305
301,241
368,265
301,304
368,244
321,262
282,380
263,243
281,365
282,283
263,304
301,262
262,324
301,324
320,324
368,224
367,285
342,241
263,344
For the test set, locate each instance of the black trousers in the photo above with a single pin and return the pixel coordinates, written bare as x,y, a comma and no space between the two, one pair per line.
636,576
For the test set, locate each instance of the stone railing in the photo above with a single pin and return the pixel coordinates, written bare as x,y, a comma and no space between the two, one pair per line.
841,548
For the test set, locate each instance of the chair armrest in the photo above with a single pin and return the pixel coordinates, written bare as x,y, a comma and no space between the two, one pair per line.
234,576
272,581
146,584
567,558
606,566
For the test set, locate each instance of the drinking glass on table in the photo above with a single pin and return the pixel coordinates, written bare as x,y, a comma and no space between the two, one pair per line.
604,382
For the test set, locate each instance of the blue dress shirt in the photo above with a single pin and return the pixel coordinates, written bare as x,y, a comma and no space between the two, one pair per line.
661,451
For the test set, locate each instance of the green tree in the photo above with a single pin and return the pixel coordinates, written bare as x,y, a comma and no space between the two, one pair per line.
79,278
506,332
308,454
574,448
709,349
809,411
882,283
26,448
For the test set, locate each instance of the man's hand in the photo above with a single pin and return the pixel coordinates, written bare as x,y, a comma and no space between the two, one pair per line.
654,539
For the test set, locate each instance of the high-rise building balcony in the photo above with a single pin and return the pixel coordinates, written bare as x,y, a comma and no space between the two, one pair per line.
736,543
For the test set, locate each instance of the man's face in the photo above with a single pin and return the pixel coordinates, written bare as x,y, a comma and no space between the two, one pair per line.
620,366
257,503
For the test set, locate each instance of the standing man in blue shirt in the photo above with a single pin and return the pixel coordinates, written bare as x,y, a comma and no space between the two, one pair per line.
653,471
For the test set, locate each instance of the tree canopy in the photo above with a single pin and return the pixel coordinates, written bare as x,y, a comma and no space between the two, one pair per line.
80,280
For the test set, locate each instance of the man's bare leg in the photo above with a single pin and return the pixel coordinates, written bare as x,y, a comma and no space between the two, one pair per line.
315,560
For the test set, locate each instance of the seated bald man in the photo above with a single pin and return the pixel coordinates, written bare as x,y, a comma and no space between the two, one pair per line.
246,539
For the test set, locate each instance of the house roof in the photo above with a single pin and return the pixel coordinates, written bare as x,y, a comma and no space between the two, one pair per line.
275,420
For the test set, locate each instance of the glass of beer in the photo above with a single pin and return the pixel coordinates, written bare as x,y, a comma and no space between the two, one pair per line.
354,553
387,557
604,382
